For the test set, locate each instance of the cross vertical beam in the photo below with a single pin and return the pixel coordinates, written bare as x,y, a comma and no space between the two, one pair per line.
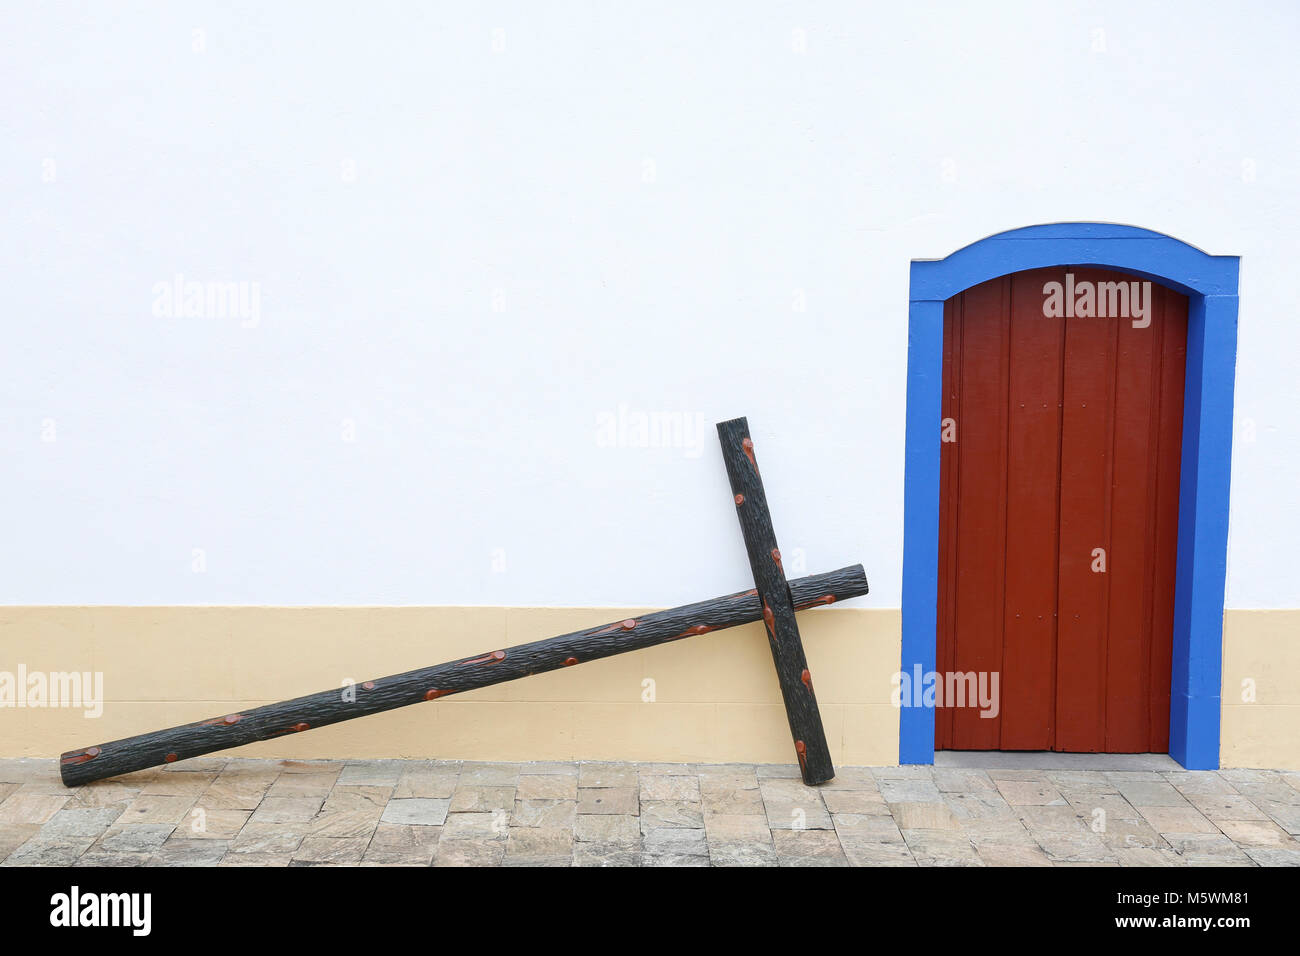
778,606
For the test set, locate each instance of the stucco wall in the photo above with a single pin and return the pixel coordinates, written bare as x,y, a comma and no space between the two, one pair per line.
479,234
478,247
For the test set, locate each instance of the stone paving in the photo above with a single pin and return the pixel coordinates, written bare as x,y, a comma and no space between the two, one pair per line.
237,812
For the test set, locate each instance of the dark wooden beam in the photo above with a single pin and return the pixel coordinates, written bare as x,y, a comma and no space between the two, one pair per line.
430,683
777,602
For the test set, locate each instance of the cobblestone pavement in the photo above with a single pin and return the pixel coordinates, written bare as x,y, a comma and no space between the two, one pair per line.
232,812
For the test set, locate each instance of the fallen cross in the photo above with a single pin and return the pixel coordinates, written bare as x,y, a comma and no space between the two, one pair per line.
773,601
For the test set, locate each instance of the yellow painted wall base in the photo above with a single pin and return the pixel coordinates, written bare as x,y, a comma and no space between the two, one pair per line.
1261,689
712,698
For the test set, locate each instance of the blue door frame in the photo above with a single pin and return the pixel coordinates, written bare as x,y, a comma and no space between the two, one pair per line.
1210,283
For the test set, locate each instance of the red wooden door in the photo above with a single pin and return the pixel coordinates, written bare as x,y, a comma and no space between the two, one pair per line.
1058,512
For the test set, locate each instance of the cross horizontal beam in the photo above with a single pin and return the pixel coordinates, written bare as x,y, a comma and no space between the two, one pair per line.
431,683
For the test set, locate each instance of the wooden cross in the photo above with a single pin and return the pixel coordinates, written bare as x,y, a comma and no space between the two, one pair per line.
773,601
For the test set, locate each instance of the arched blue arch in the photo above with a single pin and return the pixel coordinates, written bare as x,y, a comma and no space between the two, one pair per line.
1210,283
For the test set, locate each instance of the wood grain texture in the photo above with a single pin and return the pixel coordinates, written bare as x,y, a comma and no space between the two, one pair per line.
981,509
1066,455
1037,345
1173,370
1086,496
777,602
431,683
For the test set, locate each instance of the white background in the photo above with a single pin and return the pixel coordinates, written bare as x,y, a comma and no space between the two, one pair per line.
501,153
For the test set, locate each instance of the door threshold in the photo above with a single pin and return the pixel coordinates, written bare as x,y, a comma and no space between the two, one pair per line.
1049,760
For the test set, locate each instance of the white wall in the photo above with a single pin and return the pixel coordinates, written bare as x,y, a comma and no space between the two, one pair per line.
516,176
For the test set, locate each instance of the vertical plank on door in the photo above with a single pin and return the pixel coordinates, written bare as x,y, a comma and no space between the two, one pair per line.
1085,510
1134,438
981,504
948,458
1027,681
1171,312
